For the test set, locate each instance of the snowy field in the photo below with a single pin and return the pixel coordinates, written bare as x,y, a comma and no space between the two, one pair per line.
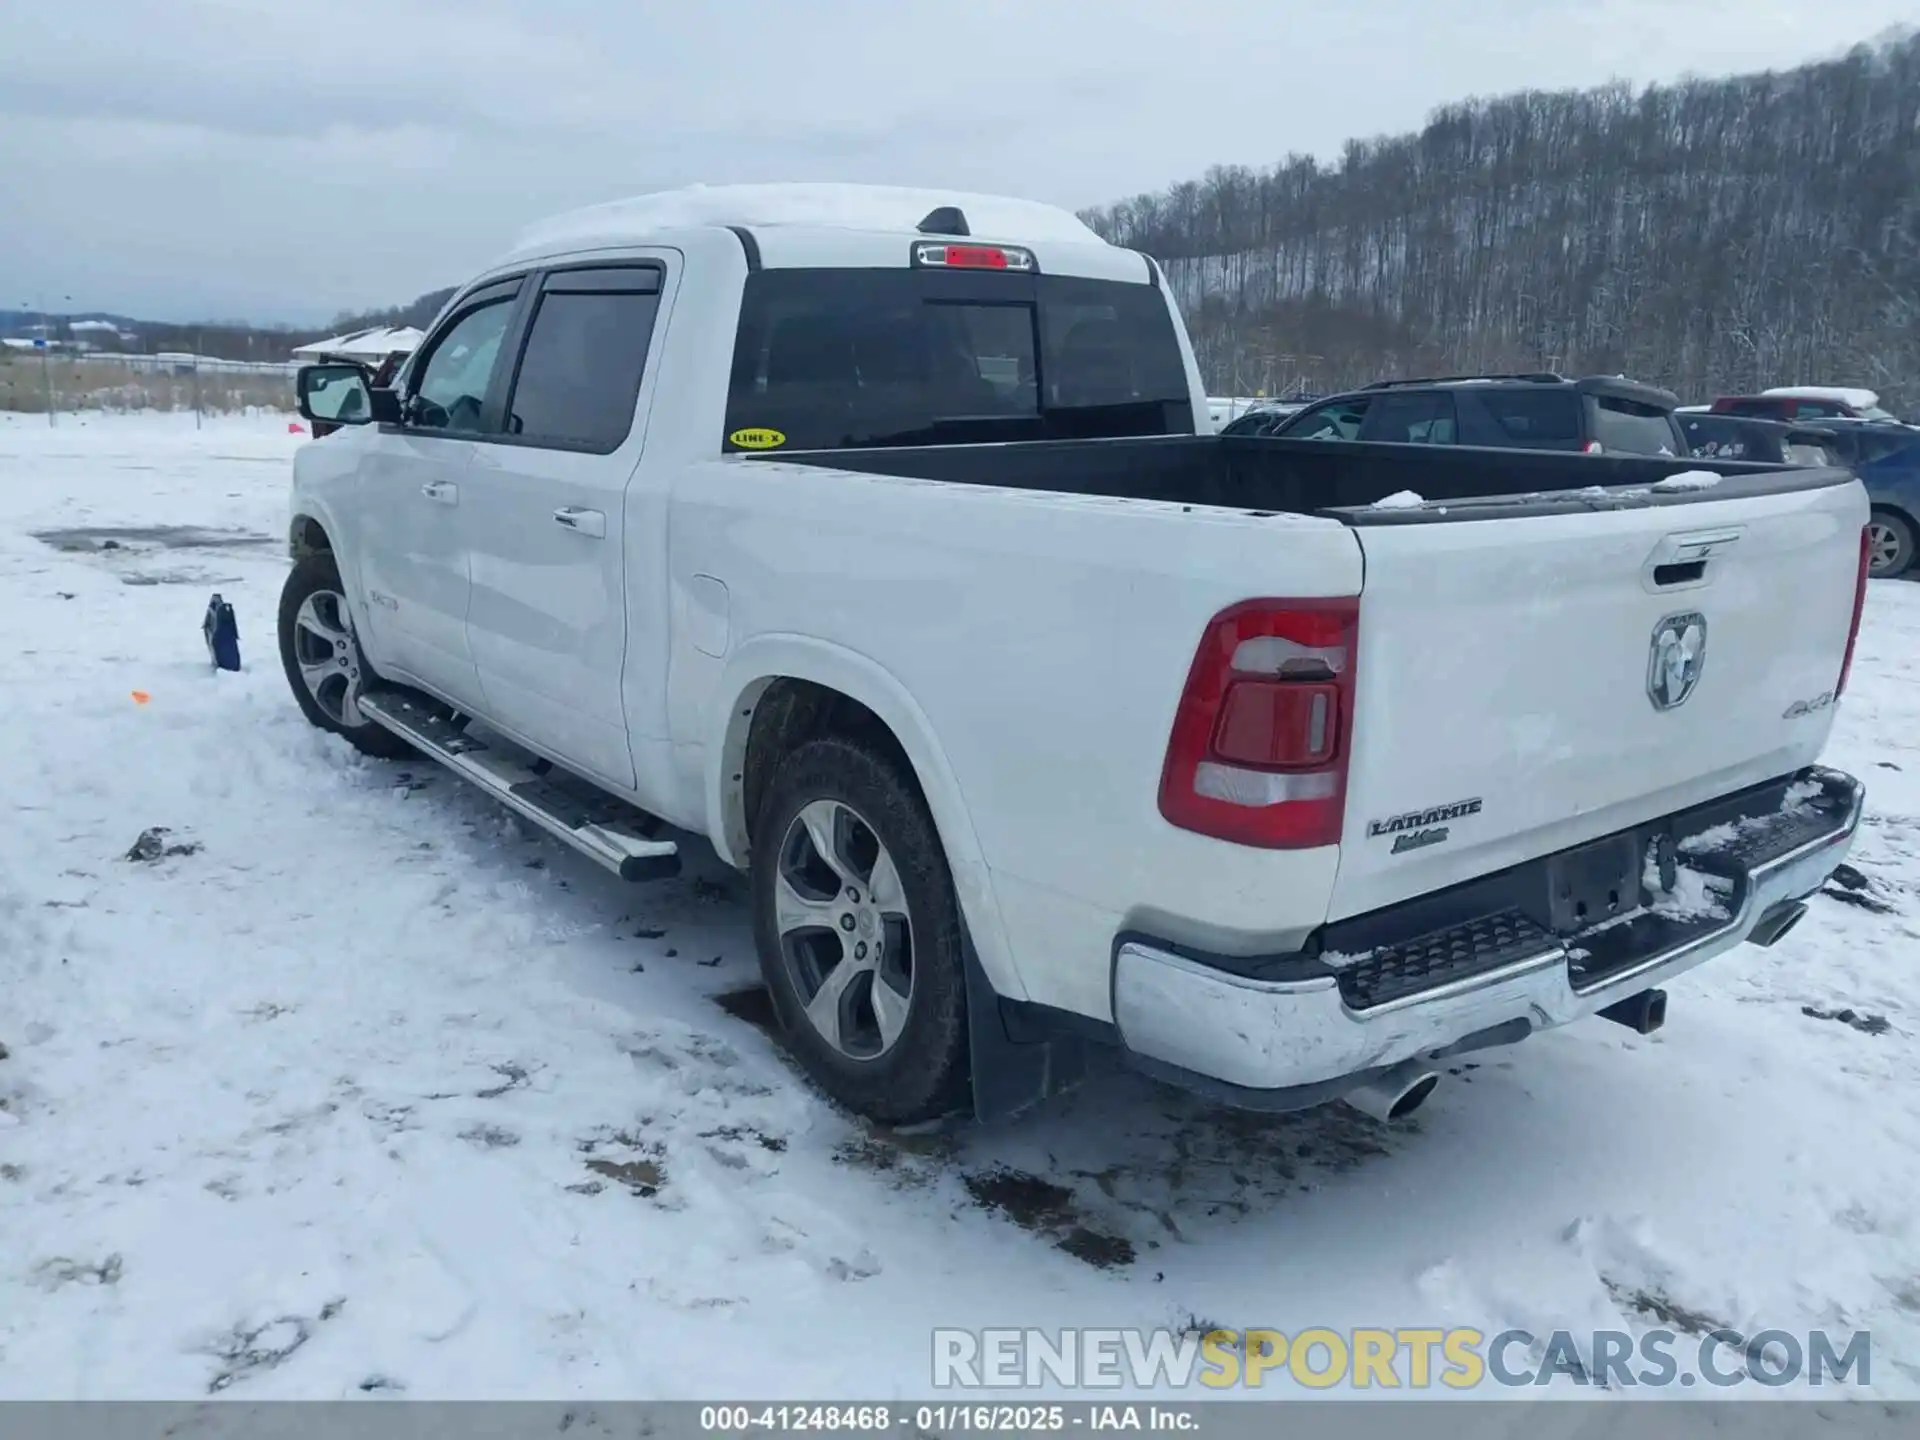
358,1088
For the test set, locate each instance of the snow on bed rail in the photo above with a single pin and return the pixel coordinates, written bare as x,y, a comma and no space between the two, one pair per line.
1688,480
839,207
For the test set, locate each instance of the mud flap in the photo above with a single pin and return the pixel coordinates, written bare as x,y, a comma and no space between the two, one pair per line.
1011,1074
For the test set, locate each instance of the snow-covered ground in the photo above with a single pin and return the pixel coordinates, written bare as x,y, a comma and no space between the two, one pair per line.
366,1090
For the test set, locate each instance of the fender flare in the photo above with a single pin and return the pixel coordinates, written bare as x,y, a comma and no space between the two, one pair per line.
307,508
759,662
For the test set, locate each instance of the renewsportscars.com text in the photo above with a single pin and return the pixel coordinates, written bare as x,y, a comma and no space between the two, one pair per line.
1459,1358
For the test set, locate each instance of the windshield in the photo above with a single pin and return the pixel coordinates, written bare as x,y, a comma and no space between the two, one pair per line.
1336,420
845,359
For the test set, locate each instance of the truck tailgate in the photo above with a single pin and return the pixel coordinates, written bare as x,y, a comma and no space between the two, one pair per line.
1530,677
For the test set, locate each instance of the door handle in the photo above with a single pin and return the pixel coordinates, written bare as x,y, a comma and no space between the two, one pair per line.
586,522
443,491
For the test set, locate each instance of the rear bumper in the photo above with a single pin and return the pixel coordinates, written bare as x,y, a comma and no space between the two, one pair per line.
1484,964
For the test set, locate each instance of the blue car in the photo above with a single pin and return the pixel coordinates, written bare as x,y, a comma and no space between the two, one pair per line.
1887,460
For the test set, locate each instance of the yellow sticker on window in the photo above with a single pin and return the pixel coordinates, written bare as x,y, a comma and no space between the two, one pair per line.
755,438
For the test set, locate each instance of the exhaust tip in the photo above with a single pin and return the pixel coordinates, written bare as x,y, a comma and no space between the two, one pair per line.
1643,1013
1413,1097
1778,923
1393,1095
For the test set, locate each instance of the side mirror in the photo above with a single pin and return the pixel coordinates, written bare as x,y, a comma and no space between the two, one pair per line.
335,394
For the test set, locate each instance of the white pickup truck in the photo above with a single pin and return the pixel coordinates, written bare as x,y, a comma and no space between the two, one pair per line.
878,537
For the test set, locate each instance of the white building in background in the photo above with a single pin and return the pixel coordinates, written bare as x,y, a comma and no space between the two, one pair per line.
97,335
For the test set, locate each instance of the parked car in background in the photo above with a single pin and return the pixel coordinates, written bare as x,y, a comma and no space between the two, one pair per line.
1597,415
1854,443
1737,437
1886,457
1805,402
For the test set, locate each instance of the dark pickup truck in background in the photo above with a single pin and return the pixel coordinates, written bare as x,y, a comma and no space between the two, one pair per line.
1597,415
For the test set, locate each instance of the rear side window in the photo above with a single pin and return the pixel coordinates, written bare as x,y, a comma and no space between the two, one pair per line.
1534,419
1628,427
845,359
586,349
1765,409
1424,418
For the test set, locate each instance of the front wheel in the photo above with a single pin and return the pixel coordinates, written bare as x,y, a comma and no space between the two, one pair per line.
858,931
1889,544
321,656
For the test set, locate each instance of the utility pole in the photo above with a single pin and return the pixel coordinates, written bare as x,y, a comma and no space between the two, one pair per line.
40,342
199,344
46,355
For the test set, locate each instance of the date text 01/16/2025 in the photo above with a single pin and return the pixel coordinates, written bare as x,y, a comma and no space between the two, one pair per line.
945,1419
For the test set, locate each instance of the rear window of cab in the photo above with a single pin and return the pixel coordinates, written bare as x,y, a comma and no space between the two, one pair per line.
848,359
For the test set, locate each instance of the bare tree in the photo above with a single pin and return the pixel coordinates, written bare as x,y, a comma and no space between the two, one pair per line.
1711,236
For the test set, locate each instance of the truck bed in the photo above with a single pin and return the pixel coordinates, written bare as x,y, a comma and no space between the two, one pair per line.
1340,480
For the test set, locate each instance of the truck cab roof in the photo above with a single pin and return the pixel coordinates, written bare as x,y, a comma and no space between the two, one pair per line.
807,225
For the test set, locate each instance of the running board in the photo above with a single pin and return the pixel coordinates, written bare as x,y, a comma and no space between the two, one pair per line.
612,832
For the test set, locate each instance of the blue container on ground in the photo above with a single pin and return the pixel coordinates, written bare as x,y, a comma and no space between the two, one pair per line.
222,635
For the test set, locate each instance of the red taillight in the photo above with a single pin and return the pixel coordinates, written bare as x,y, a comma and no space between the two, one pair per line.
973,257
1859,604
1259,748
1593,447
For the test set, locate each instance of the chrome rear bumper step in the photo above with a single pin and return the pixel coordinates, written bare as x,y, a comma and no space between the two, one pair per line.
611,832
1285,1031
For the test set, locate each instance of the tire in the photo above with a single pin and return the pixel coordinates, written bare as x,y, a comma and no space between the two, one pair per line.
313,613
1892,540
868,809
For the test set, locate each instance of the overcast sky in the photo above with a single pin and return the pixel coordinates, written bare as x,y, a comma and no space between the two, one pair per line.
281,161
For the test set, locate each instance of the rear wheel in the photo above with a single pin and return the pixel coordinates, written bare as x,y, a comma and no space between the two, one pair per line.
1889,544
858,931
321,656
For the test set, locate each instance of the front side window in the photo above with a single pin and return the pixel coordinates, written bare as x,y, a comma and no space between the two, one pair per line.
451,388
1412,419
586,350
844,359
1890,452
